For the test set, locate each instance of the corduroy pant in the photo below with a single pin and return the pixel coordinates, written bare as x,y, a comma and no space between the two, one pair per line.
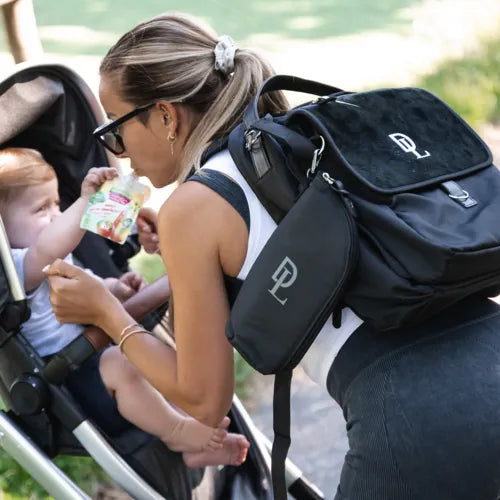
422,408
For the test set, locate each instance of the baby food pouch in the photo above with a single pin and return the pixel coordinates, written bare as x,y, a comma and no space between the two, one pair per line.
112,210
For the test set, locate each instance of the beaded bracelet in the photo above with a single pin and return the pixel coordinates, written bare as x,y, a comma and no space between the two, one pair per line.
129,334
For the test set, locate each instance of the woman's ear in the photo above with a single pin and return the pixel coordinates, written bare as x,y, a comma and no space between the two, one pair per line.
168,116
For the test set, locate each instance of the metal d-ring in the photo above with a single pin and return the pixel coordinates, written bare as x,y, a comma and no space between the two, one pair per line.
460,197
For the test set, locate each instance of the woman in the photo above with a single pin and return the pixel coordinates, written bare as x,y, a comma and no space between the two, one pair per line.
422,407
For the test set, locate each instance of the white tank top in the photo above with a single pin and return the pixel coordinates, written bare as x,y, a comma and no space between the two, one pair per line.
319,357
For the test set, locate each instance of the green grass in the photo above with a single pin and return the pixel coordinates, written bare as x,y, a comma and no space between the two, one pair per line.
471,86
16,483
298,19
150,266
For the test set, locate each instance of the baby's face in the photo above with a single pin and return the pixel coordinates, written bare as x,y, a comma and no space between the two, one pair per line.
29,213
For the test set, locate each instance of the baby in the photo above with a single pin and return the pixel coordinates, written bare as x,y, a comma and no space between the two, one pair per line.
107,386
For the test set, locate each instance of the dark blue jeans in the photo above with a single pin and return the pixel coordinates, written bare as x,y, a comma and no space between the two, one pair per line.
422,408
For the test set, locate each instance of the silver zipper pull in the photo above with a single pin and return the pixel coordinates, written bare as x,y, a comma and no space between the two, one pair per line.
320,99
327,178
339,187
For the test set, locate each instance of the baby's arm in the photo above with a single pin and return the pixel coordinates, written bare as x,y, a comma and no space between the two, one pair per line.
63,234
126,286
150,298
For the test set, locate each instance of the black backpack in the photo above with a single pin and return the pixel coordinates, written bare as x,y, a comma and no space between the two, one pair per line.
414,207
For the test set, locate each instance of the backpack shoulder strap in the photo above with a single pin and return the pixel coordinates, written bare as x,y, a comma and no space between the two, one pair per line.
227,188
281,428
284,82
235,196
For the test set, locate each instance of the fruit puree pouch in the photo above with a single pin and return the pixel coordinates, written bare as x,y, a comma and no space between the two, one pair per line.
112,210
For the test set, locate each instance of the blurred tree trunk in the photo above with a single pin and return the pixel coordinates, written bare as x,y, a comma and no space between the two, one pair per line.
21,29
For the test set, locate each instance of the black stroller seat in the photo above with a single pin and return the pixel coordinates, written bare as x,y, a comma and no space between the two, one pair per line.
51,109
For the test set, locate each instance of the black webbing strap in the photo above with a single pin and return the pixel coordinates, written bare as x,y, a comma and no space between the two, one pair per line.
281,427
299,145
284,82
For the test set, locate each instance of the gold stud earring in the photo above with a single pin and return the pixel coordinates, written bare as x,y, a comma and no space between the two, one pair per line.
172,138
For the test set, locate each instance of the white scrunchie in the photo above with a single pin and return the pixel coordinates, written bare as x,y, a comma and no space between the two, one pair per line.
224,54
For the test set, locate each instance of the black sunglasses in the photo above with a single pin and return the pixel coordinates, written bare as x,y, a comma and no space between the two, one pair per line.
108,136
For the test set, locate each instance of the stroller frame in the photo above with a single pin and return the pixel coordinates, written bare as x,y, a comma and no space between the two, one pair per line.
31,399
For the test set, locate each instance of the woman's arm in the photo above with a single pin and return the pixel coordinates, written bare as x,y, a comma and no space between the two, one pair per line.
202,381
199,377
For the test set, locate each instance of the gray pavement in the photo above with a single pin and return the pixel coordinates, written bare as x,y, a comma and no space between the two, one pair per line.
318,433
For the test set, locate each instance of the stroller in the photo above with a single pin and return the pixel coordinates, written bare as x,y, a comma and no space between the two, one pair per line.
50,108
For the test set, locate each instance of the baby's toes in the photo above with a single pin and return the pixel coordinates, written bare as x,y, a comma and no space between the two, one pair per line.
224,423
217,440
219,435
243,450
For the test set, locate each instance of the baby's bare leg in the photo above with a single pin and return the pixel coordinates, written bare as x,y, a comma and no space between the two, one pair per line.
140,403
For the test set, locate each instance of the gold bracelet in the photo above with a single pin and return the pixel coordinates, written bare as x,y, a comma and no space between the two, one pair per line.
133,325
129,334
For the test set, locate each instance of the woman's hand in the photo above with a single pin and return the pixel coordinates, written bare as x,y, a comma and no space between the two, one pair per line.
78,297
147,228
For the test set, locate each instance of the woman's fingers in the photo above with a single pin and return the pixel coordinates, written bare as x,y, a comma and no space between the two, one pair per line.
148,217
76,296
62,268
148,230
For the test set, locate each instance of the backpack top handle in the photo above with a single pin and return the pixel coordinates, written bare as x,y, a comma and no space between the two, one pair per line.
285,82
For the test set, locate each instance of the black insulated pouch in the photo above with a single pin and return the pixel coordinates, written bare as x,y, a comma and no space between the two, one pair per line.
297,280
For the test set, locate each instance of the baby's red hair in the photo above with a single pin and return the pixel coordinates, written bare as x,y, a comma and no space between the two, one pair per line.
19,168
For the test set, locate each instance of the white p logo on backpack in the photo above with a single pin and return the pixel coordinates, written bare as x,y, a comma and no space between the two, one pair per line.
284,277
407,145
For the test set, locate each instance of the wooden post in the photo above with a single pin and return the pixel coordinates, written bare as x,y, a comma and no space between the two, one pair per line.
22,33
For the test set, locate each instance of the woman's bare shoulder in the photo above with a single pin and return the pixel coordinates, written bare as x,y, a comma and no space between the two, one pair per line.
197,218
190,205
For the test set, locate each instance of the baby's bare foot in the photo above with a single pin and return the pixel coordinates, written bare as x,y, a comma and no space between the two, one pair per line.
233,452
189,435
219,434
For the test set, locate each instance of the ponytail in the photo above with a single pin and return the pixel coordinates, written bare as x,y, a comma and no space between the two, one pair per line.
173,58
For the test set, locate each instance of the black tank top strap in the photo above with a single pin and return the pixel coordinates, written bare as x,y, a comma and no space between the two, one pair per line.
234,195
227,188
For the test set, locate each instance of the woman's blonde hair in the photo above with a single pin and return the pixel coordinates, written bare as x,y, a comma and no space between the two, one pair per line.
20,168
172,57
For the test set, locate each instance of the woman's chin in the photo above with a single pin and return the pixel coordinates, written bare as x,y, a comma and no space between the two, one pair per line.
162,181
157,183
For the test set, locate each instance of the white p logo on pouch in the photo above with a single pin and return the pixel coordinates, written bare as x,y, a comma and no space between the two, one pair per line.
284,277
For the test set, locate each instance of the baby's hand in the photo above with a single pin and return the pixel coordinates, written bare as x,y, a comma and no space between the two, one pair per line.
125,287
95,178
